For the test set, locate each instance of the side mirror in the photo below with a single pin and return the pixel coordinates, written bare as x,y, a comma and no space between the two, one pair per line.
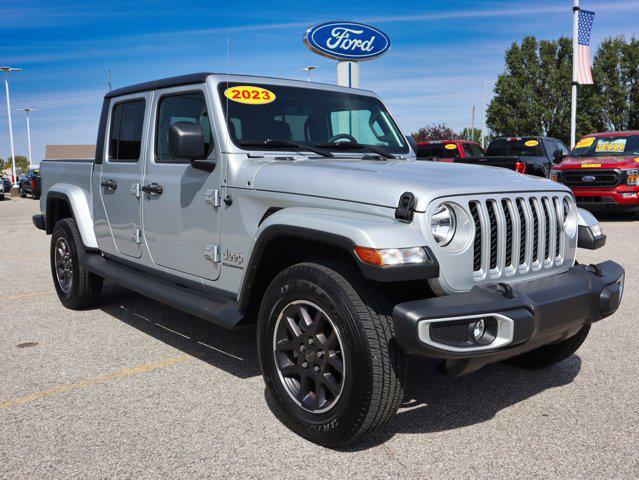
186,141
558,156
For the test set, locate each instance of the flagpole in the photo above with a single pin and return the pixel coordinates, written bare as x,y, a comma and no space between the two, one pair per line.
573,112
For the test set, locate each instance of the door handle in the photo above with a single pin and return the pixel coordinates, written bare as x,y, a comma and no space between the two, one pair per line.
153,189
110,184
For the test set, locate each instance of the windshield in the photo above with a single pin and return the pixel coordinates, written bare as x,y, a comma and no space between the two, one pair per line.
606,146
261,114
520,147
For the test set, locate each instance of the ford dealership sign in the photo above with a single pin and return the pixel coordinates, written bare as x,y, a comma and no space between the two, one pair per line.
347,41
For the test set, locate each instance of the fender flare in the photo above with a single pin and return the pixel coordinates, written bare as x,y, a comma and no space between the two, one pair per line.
76,198
344,230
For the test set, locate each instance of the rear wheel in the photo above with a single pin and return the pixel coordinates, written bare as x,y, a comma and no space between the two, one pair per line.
328,355
22,193
76,287
548,355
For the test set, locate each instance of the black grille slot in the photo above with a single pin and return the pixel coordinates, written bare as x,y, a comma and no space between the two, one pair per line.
449,333
474,211
535,246
509,233
559,228
547,224
522,221
593,178
492,217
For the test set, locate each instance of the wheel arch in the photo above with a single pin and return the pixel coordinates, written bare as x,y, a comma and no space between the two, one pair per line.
69,201
282,241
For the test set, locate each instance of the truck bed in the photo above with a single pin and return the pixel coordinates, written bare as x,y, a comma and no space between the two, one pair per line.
72,172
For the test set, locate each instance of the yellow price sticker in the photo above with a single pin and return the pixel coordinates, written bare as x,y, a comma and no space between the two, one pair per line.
450,146
250,95
532,143
585,142
590,165
637,159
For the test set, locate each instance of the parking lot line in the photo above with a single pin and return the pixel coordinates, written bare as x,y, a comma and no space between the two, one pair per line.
127,372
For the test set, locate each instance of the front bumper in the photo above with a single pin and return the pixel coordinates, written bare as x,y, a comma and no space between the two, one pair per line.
535,313
622,198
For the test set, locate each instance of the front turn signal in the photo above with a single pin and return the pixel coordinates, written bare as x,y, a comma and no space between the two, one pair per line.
386,257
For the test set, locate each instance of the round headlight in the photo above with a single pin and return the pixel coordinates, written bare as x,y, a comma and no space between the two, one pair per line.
443,224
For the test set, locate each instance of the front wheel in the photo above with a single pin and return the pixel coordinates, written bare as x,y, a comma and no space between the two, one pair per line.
76,287
328,355
22,193
548,355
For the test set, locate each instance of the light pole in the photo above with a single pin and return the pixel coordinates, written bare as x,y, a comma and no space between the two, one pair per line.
26,111
308,71
483,115
6,71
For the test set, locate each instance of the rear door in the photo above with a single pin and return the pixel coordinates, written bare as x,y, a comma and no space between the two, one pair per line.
182,223
121,172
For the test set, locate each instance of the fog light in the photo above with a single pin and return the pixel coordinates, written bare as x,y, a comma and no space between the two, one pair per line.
479,329
629,194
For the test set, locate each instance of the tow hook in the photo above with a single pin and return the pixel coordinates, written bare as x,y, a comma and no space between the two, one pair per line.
596,269
506,290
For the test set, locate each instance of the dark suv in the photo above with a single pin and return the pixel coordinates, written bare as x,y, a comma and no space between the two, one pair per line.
30,183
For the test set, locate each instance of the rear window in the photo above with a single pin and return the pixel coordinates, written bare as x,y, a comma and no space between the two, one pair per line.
125,138
520,147
440,150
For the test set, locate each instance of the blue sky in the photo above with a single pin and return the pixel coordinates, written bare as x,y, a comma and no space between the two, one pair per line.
441,52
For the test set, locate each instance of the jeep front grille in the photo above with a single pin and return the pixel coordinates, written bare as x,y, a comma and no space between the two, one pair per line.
504,237
516,234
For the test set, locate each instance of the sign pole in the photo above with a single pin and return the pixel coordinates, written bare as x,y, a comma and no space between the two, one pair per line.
348,74
573,111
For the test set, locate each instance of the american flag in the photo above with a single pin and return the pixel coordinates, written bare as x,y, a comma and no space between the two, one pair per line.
584,27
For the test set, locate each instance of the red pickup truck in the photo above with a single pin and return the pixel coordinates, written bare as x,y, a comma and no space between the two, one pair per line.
448,150
603,171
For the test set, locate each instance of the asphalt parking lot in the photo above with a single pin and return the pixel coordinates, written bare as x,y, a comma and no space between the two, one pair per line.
137,389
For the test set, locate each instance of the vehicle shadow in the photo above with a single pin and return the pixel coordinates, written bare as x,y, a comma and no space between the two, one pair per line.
615,216
435,402
230,350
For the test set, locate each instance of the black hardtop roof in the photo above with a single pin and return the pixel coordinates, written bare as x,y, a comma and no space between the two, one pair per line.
190,79
180,80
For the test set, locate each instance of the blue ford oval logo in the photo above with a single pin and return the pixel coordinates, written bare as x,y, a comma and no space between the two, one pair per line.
347,41
588,178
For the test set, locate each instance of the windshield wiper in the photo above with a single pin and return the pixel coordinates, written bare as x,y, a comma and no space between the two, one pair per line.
356,145
273,142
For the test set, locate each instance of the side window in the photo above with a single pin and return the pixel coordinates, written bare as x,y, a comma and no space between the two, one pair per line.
551,146
185,107
125,140
562,147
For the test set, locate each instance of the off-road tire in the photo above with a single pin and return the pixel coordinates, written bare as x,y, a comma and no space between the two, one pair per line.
548,355
374,365
86,287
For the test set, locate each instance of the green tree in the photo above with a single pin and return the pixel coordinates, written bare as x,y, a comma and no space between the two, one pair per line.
612,103
469,134
532,96
21,162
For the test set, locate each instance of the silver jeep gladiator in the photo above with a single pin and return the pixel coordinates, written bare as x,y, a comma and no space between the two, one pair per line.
302,207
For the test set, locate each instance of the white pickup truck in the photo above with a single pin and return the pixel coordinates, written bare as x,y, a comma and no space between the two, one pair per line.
301,206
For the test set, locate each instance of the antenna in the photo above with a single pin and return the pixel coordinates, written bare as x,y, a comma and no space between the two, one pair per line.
109,80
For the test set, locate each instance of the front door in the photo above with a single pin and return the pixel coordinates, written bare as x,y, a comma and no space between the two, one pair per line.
181,220
121,172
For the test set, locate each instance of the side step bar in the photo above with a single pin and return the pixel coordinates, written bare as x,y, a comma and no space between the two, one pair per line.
219,310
